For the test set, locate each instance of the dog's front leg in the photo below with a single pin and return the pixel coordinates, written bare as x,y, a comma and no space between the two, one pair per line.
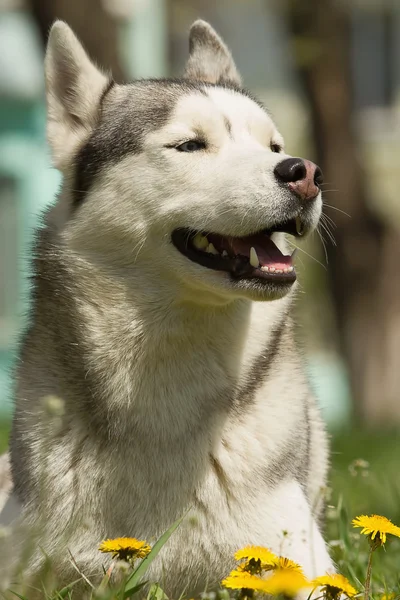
295,532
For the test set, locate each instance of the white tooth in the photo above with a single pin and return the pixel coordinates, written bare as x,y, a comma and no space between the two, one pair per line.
224,253
272,269
211,249
286,270
266,269
254,258
200,241
278,271
299,226
290,269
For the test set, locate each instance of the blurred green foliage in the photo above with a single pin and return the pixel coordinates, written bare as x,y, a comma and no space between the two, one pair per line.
372,487
4,432
365,480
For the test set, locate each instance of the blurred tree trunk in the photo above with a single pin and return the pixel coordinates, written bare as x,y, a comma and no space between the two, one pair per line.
91,22
363,267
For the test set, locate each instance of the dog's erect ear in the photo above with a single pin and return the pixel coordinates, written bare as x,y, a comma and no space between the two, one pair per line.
209,57
74,87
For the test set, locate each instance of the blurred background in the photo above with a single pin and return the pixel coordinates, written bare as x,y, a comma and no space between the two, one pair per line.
329,71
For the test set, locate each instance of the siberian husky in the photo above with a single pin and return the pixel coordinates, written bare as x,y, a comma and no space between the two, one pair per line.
162,317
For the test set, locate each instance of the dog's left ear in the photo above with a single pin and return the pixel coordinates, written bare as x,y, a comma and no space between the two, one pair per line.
209,58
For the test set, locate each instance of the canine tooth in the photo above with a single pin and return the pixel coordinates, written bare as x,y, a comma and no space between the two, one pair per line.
224,253
211,249
254,258
299,226
200,241
272,269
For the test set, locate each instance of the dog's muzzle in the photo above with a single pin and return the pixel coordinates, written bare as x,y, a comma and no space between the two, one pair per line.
302,177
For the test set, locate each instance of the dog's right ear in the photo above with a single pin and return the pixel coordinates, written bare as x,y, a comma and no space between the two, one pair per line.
209,57
74,88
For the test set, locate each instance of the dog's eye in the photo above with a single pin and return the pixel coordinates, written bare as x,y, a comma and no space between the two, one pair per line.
191,146
276,147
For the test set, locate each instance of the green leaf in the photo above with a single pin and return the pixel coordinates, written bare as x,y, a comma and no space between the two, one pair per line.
134,579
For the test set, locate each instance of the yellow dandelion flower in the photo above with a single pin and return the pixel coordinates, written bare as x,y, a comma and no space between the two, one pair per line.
287,582
256,553
376,527
125,548
239,580
334,586
390,596
286,563
259,559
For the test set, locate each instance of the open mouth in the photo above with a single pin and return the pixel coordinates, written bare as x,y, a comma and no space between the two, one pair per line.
254,256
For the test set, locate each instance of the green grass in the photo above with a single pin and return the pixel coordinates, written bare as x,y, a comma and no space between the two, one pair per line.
4,433
374,489
364,480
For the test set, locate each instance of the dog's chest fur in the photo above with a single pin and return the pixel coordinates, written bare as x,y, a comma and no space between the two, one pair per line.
185,409
192,401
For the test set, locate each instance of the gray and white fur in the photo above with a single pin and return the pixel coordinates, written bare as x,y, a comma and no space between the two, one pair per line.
183,388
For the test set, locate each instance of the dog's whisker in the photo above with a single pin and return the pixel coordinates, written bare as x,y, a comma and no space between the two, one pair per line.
309,255
328,219
338,209
325,224
323,245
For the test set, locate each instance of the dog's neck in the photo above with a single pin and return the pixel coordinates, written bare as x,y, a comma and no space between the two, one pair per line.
166,364
159,354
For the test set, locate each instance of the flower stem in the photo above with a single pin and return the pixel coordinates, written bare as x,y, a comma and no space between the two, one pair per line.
246,593
368,577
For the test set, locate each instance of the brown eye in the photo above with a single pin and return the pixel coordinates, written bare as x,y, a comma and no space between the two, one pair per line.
276,148
191,146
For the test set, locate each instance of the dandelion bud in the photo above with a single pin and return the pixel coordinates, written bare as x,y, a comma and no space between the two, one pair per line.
53,405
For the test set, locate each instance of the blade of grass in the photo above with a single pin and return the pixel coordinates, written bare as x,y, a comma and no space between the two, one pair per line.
19,596
343,526
65,590
156,593
353,575
144,565
134,590
106,579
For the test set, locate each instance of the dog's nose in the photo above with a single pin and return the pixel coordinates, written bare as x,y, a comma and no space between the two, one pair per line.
303,177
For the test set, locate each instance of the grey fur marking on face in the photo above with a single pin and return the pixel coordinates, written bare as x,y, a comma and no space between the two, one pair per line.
123,125
122,128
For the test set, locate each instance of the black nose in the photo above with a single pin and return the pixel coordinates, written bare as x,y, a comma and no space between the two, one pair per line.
294,169
302,176
290,169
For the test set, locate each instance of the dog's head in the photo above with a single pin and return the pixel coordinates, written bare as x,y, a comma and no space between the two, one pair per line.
185,178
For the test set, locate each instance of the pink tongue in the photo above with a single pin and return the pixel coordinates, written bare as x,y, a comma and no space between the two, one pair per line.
268,254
